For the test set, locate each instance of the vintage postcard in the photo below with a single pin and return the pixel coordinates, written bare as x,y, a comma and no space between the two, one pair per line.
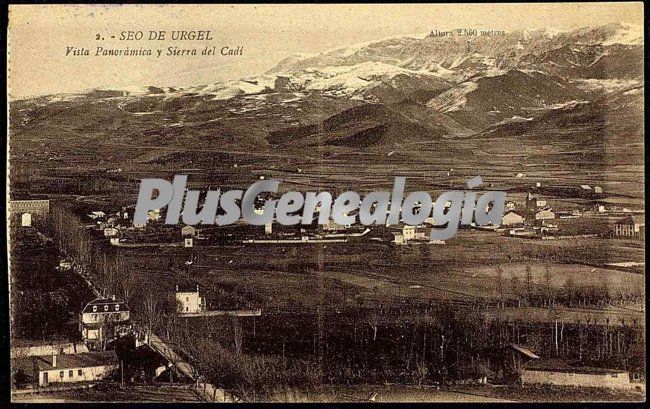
326,203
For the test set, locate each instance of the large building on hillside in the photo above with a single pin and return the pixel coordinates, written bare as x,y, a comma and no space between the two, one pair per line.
630,226
104,320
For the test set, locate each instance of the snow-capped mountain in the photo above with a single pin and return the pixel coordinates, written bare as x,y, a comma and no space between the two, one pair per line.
408,67
461,56
355,81
433,87
395,68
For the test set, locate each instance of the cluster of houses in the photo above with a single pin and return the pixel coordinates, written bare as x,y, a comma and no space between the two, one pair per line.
540,218
513,218
534,217
101,323
118,227
113,224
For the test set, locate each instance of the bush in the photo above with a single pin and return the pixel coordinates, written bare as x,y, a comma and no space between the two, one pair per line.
259,377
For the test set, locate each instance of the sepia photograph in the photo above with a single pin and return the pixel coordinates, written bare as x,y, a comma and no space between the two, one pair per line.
326,203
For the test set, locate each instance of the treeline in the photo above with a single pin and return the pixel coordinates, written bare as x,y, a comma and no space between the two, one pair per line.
106,267
257,357
443,342
43,300
546,294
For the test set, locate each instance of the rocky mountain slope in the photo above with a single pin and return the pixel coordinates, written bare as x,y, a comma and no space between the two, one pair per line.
379,96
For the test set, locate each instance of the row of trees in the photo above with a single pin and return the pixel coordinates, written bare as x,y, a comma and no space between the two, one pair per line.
111,274
545,294
356,345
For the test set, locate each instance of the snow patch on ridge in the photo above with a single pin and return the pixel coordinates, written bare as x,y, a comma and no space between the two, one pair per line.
453,99
628,34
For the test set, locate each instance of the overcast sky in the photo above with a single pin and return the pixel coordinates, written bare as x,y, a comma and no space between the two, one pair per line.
39,35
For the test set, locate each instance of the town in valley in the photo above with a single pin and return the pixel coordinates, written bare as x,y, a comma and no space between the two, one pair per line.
548,305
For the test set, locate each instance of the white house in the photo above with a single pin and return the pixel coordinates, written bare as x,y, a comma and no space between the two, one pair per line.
415,233
110,232
153,215
97,215
26,220
512,219
189,301
102,320
188,231
69,368
576,376
544,214
408,232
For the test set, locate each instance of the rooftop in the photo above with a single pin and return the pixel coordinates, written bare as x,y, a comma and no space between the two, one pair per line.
636,219
187,288
524,351
72,361
101,302
559,365
513,212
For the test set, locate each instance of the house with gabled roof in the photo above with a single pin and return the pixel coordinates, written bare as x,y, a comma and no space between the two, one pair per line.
630,226
103,320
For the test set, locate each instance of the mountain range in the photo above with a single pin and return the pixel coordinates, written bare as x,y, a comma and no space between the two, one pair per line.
380,95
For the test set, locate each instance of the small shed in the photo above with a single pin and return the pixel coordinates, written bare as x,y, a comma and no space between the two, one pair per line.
506,362
544,214
188,231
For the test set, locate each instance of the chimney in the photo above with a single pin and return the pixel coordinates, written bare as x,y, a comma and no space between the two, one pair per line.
53,360
113,297
197,288
176,287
